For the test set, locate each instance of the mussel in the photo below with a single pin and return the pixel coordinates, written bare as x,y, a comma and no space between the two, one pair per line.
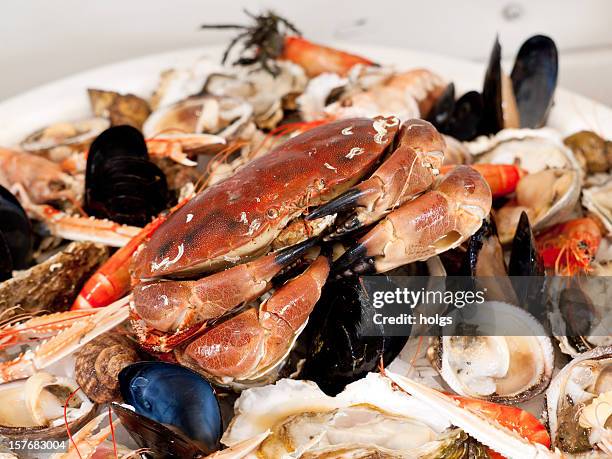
15,235
121,184
335,346
522,99
458,118
175,410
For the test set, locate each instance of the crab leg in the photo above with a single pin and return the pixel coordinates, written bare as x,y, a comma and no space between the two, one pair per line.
174,145
76,228
252,342
434,222
177,305
80,332
486,431
409,171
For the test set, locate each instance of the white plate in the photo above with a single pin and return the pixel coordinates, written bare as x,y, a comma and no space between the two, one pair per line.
66,99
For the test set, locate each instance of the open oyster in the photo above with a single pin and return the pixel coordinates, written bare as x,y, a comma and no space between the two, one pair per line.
57,141
198,122
579,405
598,200
33,408
550,190
367,419
508,369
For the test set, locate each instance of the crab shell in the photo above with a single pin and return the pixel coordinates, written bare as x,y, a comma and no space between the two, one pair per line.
507,369
242,215
570,393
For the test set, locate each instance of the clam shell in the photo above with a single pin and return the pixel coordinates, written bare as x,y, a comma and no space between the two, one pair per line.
503,361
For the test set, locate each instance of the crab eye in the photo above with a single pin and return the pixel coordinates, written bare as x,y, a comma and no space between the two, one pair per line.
272,213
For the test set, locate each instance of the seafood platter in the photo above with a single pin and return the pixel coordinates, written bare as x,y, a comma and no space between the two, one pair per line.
181,261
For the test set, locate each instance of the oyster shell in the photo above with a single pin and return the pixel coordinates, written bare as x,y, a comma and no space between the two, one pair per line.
33,408
202,115
267,94
551,189
367,416
508,369
598,200
58,141
577,405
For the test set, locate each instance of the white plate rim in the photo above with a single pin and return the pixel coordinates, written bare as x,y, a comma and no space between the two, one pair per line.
66,99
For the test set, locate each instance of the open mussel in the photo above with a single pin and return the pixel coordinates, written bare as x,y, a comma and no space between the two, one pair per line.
121,184
338,345
534,79
15,235
522,99
174,412
459,118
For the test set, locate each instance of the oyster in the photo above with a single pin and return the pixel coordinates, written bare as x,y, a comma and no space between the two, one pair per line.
508,369
550,190
54,284
598,200
199,122
267,94
119,108
33,408
58,141
578,405
369,418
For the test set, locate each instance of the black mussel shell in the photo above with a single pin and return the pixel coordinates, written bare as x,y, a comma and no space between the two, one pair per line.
15,235
579,315
492,256
525,260
335,350
443,108
158,439
174,396
460,119
534,79
466,117
121,184
492,115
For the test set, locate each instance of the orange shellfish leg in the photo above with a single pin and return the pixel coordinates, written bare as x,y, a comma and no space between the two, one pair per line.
316,59
175,305
409,170
251,342
434,222
502,178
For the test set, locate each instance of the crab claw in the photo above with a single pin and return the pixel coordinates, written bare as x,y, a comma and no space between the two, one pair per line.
178,305
410,169
434,222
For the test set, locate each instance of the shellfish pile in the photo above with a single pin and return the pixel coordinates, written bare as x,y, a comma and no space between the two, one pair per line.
183,273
